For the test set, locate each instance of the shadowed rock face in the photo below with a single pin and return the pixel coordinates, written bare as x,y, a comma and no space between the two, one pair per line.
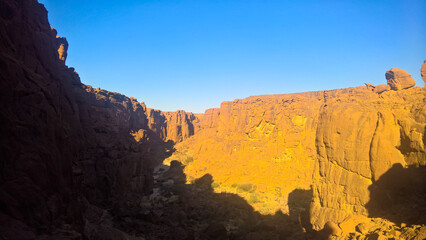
40,131
423,71
172,126
64,146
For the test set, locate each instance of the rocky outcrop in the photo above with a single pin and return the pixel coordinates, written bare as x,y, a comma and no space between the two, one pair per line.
399,79
381,88
172,126
62,46
40,130
336,142
423,71
65,147
249,145
359,138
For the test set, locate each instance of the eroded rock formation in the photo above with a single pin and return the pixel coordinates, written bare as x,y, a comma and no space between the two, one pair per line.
338,142
423,71
381,88
399,79
173,126
65,147
62,46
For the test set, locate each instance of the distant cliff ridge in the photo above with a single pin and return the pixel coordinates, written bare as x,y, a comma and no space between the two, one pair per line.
77,162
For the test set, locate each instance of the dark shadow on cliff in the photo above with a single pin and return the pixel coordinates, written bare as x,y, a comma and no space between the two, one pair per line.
299,202
177,210
399,195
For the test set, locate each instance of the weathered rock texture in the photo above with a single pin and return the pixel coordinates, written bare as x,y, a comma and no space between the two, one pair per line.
339,142
399,79
423,71
64,146
62,46
381,88
173,126
359,138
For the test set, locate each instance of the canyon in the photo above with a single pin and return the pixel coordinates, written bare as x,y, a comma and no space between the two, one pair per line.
79,162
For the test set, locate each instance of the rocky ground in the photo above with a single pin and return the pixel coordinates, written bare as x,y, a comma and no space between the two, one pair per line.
176,210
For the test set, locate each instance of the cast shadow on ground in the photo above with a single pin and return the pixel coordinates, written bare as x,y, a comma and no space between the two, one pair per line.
399,195
195,211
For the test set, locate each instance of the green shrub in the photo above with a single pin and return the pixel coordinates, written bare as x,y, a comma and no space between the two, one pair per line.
215,185
245,187
190,179
278,191
188,159
253,198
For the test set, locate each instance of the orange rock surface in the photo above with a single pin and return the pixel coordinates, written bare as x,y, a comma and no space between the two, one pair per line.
399,79
423,71
337,142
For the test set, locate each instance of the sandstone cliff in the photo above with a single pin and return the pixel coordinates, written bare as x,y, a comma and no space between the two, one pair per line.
337,142
174,126
64,146
423,71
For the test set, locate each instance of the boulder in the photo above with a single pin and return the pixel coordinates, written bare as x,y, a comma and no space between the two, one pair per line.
381,88
62,46
332,229
423,71
399,79
369,86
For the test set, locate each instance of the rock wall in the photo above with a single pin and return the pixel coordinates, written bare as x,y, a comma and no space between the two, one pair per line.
172,126
423,71
337,142
64,146
40,130
262,147
360,136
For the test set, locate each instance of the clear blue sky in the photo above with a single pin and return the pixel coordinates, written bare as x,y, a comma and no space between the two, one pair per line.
194,54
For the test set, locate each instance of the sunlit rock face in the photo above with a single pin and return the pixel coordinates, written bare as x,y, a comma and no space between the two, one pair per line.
336,142
360,136
399,79
423,71
62,46
260,147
